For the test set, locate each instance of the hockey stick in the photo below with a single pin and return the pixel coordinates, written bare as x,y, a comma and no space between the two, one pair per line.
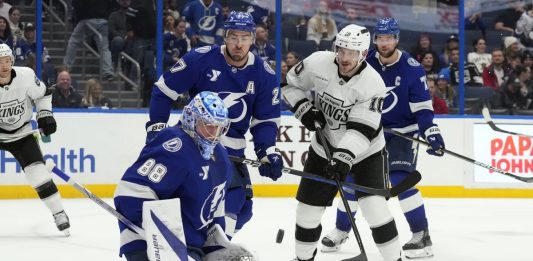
403,186
362,256
457,155
51,167
488,120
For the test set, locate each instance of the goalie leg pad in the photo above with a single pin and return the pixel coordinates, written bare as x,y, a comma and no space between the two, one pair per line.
163,227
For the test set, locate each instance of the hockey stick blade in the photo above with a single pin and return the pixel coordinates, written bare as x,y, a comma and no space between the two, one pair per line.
465,158
406,184
488,120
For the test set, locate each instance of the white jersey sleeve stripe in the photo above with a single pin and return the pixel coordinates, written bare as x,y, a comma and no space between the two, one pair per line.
129,189
166,90
233,143
418,106
355,142
257,122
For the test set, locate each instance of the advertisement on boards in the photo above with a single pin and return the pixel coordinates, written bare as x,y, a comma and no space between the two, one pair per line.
510,153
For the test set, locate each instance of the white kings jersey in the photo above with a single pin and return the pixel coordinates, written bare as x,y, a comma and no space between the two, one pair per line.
16,103
352,108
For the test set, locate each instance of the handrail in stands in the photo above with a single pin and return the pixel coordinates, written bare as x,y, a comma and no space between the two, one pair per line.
136,84
54,15
84,56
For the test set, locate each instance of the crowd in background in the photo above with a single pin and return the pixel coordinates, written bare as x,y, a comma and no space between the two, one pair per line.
497,69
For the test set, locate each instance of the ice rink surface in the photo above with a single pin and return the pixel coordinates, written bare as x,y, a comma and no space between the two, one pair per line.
461,230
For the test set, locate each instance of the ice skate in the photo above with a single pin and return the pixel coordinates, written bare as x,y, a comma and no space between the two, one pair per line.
62,222
419,246
333,241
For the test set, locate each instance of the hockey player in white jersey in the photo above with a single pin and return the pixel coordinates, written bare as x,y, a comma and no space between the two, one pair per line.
19,90
407,109
347,99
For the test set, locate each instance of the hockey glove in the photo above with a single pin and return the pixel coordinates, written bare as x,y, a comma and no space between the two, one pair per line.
272,164
46,122
308,114
340,164
433,137
152,129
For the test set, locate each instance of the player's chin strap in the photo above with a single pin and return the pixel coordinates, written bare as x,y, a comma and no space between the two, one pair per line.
409,182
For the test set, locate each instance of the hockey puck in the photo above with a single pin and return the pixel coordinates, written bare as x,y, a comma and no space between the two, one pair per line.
280,235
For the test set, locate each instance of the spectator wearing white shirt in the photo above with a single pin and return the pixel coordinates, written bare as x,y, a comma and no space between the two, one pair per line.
479,56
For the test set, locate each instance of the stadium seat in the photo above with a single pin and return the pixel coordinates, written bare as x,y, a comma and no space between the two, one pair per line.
501,111
455,110
304,48
484,93
523,112
325,45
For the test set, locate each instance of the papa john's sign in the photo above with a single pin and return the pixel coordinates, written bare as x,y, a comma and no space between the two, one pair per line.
510,153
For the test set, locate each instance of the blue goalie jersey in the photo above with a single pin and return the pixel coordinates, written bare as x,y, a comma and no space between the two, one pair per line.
250,93
171,166
405,81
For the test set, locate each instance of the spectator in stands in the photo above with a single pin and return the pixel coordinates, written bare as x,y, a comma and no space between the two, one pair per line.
118,30
262,47
168,24
321,26
169,7
48,71
350,14
514,62
5,32
4,9
474,21
175,45
423,45
506,21
30,62
17,28
206,24
93,96
472,77
430,64
512,47
141,21
259,14
451,43
294,26
446,91
439,105
497,71
63,94
524,28
527,59
479,57
515,94
225,12
95,14
292,59
284,71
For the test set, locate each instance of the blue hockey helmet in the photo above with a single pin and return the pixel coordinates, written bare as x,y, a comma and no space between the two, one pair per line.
239,21
205,118
387,26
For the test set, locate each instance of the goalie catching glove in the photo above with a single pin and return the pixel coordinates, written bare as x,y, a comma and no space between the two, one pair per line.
225,250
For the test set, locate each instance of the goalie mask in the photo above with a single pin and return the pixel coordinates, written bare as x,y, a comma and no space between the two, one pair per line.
352,42
205,119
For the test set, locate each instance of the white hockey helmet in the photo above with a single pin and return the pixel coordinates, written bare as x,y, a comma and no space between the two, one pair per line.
5,50
353,37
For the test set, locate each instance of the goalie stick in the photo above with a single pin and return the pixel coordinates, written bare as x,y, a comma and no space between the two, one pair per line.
457,155
406,184
488,120
52,167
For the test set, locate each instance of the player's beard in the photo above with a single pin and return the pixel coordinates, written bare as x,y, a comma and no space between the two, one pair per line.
237,58
386,54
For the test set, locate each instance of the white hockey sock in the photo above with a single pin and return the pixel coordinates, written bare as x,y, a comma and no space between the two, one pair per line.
41,180
378,216
308,229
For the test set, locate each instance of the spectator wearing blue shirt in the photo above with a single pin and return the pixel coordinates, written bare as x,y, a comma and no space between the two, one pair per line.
206,22
262,47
